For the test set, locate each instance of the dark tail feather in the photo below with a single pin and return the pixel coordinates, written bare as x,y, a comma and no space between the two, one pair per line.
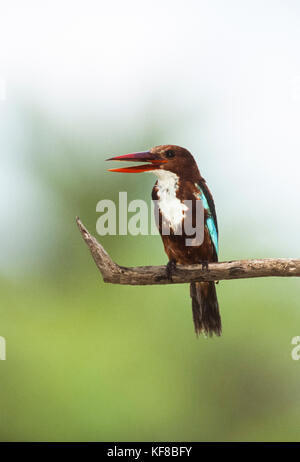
205,306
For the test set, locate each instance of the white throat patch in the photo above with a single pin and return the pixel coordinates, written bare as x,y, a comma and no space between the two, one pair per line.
172,209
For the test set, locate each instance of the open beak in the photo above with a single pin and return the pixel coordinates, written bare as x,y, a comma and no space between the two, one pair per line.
153,159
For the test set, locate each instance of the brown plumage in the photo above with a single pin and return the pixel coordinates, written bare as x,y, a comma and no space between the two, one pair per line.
205,306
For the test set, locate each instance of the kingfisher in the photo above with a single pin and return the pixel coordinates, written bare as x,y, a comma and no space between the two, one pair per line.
179,182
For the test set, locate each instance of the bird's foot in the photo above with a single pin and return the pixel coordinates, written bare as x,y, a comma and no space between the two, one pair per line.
170,268
204,265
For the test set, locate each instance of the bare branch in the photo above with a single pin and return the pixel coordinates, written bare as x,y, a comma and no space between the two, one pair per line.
150,275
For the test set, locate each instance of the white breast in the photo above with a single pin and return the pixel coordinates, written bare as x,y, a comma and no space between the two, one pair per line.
172,209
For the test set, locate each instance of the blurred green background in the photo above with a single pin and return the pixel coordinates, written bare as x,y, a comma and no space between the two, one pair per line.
92,361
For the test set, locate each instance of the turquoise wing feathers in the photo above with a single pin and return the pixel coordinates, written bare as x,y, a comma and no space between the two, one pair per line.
211,221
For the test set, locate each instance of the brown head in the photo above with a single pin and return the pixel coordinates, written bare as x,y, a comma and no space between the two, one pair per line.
165,157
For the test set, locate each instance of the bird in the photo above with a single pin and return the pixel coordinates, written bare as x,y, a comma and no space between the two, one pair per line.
179,182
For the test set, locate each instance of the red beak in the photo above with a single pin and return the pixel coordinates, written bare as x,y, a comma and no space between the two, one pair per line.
147,156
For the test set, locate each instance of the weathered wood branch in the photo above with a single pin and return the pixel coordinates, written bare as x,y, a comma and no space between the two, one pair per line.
150,275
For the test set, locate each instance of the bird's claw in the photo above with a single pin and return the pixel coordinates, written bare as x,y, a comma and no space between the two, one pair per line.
204,265
170,268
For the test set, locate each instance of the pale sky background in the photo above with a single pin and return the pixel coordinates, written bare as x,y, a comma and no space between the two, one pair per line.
228,73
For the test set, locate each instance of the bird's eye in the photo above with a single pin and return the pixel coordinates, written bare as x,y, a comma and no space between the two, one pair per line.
169,153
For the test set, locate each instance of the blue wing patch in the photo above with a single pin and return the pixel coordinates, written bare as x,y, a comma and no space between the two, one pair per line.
213,232
210,223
